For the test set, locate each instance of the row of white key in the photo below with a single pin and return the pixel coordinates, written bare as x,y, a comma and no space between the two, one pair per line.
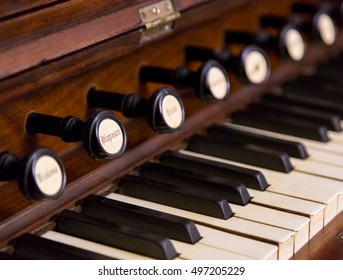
313,207
214,244
330,152
298,185
325,193
284,239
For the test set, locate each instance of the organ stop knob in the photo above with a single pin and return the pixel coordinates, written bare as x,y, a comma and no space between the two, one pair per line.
289,42
40,174
251,66
164,110
210,81
321,26
103,135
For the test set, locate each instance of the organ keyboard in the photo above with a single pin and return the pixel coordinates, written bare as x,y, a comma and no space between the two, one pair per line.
256,175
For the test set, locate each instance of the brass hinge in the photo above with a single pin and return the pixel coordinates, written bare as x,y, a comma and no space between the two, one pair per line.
158,19
340,235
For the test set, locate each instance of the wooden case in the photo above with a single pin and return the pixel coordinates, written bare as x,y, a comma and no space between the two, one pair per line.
53,52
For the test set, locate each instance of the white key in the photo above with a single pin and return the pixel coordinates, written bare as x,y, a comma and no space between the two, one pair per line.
93,246
235,243
318,168
325,157
264,215
186,251
296,184
330,153
337,135
306,186
283,239
314,211
200,251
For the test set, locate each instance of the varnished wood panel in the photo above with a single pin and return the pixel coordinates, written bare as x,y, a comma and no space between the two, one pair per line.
326,245
10,7
68,27
74,28
40,67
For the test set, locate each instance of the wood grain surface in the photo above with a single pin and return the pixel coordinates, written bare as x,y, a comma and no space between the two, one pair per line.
57,84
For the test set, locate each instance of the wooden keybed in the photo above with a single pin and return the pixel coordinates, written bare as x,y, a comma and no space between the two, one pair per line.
70,47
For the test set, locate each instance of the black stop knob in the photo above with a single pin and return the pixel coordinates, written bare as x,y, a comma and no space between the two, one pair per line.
103,135
290,42
40,175
210,81
237,63
321,27
336,8
164,110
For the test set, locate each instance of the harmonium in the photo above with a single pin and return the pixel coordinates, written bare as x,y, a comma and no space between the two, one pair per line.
171,129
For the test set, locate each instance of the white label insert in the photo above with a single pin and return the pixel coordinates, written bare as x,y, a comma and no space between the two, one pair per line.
172,111
48,175
295,44
217,83
111,136
256,67
326,29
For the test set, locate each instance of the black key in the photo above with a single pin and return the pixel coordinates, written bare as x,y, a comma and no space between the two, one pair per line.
175,196
116,235
307,101
232,191
249,177
313,91
323,82
245,153
30,246
174,227
281,124
315,117
6,256
329,72
294,149
335,61
332,69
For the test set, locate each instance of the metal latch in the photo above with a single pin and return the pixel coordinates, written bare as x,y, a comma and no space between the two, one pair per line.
158,19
